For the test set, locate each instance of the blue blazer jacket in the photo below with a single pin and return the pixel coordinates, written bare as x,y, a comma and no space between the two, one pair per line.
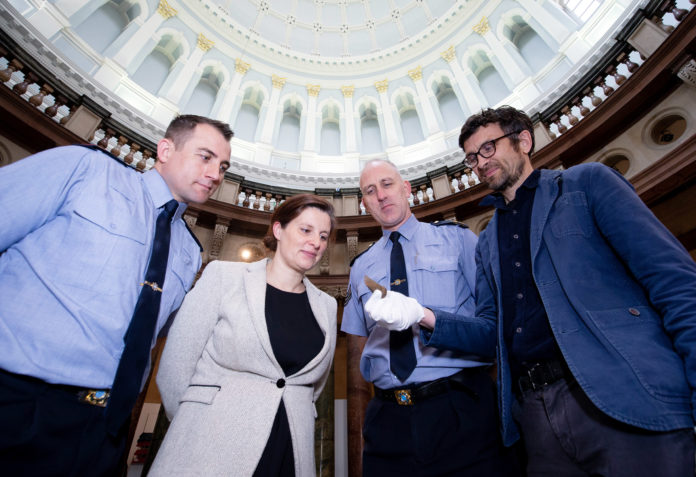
620,294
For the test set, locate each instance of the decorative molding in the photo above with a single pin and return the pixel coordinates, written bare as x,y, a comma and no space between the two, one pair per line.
240,66
352,244
166,10
382,86
687,73
278,82
416,73
204,43
482,27
449,54
313,90
325,263
347,91
221,227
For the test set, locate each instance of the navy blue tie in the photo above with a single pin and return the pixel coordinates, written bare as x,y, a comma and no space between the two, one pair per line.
402,354
138,337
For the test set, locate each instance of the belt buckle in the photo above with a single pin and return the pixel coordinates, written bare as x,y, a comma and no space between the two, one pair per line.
95,397
403,397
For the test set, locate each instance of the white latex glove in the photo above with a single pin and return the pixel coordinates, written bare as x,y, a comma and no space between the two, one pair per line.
395,311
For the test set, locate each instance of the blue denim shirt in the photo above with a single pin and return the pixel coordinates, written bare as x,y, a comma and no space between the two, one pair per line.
76,228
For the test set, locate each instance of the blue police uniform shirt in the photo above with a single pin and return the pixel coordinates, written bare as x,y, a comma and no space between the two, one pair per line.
76,229
440,270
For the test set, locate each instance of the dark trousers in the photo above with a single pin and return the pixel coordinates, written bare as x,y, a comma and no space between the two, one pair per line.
46,431
565,434
451,434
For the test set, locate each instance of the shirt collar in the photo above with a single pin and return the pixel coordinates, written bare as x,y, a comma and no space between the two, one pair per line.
497,200
407,229
159,191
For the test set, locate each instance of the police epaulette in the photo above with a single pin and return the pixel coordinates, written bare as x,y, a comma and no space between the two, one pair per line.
439,223
193,235
358,255
94,147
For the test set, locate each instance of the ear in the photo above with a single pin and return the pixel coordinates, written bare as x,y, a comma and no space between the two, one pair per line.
407,188
164,148
277,228
525,141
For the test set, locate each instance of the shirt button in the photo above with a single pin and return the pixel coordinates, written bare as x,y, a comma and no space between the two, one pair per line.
520,296
280,383
515,236
518,264
518,330
514,212
634,312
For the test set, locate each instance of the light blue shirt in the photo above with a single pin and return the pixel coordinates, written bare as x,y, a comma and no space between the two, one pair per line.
441,273
76,228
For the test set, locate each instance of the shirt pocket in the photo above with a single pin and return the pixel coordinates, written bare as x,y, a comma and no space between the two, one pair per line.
437,278
571,216
105,232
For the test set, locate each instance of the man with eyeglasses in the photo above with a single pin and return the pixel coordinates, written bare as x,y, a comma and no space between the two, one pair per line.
595,306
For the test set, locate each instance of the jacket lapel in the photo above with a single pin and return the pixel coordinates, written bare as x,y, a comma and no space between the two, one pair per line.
255,289
320,315
546,194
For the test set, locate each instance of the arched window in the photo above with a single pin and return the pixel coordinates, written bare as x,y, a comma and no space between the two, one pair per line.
410,123
450,109
535,52
330,143
490,81
289,131
371,137
248,116
106,23
154,69
204,94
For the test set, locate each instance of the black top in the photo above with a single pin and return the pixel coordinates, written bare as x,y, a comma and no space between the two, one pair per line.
528,336
294,332
296,339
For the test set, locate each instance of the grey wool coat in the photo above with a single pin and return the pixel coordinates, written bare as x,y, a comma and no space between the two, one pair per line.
218,377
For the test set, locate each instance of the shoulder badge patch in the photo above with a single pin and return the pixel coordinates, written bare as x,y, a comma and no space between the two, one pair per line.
358,255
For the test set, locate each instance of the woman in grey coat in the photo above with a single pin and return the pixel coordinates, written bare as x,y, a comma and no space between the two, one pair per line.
248,355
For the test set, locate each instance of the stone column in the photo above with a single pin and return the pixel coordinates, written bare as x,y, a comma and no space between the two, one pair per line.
351,142
141,36
311,118
230,90
174,87
272,111
471,98
431,125
510,63
387,117
558,31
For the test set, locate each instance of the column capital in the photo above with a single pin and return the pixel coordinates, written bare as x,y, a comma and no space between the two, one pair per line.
382,86
482,27
240,66
278,82
166,10
313,90
204,43
416,73
449,54
347,91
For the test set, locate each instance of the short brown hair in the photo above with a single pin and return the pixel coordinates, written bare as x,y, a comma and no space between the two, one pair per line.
181,128
510,120
291,208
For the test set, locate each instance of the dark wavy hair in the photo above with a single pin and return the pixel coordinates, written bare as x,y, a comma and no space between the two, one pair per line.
181,128
508,118
291,208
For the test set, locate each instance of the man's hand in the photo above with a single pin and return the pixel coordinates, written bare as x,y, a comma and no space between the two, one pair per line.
395,311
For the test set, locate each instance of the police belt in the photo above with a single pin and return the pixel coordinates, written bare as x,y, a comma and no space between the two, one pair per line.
418,393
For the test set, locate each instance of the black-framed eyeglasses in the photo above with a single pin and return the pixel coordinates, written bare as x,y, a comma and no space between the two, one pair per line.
486,150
